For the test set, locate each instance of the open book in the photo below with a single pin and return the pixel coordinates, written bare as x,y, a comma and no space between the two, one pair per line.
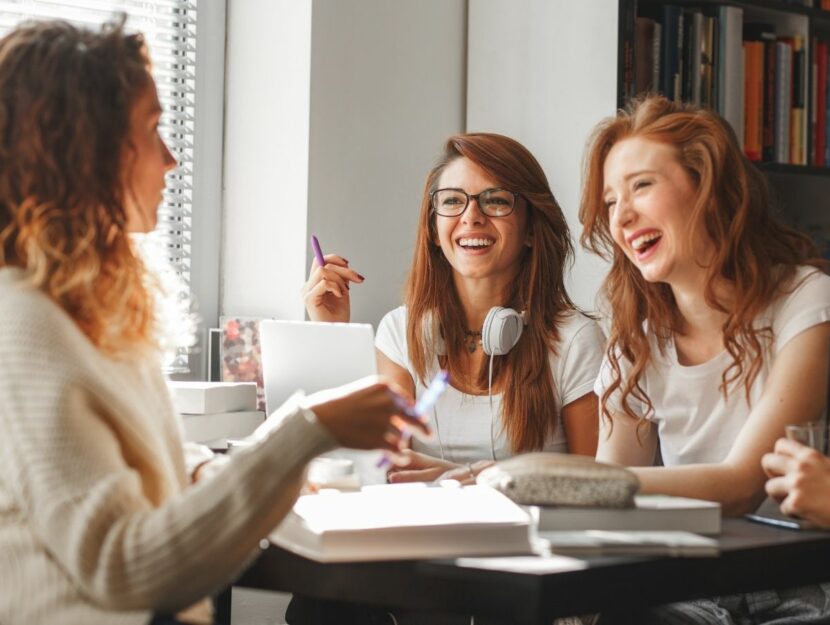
404,521
650,512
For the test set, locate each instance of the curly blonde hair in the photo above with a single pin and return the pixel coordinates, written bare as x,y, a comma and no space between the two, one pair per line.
65,100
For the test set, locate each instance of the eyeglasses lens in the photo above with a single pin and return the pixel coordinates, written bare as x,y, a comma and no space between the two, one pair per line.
492,202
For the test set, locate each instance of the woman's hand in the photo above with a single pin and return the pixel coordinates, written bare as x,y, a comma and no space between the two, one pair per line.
799,481
370,413
417,467
326,292
466,474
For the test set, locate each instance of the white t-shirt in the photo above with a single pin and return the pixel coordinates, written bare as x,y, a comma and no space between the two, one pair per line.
463,422
695,424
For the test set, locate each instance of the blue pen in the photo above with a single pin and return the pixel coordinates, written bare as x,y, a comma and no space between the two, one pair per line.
438,385
318,253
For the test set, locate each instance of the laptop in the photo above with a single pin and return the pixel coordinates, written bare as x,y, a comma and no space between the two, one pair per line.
312,356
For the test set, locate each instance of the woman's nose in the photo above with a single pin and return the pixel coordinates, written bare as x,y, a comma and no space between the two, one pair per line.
473,213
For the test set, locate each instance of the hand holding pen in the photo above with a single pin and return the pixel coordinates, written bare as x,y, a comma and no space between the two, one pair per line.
326,292
422,407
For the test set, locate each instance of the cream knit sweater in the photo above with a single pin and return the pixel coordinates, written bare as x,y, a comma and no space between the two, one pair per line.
98,521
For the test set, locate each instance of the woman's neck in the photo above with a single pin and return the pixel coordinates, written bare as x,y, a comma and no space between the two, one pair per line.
477,297
700,336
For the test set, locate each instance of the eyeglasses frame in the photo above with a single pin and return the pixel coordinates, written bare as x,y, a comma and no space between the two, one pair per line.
473,196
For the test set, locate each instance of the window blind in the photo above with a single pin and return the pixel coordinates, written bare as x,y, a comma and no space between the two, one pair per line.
169,27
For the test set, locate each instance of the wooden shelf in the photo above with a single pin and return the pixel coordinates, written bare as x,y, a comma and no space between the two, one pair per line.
794,170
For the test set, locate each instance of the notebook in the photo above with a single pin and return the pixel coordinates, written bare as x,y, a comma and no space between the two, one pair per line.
312,356
650,512
404,521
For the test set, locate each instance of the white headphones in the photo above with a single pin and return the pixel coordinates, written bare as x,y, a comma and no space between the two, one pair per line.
501,331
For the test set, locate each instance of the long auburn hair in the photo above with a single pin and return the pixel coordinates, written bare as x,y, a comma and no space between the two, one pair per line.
65,101
753,252
432,302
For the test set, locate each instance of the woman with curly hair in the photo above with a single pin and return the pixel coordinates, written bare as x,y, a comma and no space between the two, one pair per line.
100,517
719,332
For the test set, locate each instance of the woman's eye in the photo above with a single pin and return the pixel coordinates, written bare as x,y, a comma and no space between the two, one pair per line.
641,183
609,204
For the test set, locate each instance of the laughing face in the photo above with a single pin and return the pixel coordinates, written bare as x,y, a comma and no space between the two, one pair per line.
479,247
649,197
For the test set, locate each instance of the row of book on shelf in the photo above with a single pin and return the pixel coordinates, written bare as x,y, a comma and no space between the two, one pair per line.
755,74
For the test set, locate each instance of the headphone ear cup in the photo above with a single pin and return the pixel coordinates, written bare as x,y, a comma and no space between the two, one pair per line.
501,331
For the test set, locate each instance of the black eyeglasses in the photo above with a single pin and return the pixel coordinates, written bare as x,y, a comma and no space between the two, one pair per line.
492,202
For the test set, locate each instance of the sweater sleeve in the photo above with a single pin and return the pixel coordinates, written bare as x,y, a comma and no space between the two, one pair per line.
86,502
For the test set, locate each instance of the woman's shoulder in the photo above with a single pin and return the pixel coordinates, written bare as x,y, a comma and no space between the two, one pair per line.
575,325
25,310
396,316
806,285
35,332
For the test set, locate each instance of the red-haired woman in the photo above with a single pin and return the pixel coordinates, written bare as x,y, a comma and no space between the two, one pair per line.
719,335
490,235
100,521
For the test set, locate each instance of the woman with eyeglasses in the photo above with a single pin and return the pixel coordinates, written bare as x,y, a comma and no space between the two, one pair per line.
490,235
104,518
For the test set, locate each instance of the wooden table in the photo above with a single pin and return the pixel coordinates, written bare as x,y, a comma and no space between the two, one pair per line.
753,557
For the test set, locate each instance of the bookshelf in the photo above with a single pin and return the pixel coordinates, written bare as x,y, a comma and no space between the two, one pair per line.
762,64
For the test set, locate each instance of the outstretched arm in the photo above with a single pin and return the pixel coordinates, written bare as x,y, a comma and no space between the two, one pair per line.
795,392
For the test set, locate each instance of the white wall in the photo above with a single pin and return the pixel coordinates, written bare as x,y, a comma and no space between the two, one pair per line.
386,84
545,73
268,57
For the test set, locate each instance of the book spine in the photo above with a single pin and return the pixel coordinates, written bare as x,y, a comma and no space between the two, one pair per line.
687,57
696,43
671,19
797,99
708,53
731,76
783,91
770,83
827,110
753,89
656,58
819,110
643,54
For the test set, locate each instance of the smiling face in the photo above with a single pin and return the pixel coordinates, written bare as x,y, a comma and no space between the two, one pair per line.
479,247
146,160
649,197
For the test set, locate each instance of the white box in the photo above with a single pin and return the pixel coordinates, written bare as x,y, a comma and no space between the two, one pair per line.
210,397
218,427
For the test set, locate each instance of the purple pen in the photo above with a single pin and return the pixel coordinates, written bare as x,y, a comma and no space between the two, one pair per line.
318,253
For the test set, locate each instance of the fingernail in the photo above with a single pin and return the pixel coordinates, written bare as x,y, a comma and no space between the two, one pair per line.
345,261
361,277
348,288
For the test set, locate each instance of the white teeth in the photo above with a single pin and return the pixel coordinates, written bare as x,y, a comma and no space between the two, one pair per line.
643,239
475,242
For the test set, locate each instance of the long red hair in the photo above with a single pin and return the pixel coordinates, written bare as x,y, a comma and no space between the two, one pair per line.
753,252
65,101
524,374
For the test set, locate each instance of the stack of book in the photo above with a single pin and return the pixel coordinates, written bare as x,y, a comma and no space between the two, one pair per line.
755,74
213,412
